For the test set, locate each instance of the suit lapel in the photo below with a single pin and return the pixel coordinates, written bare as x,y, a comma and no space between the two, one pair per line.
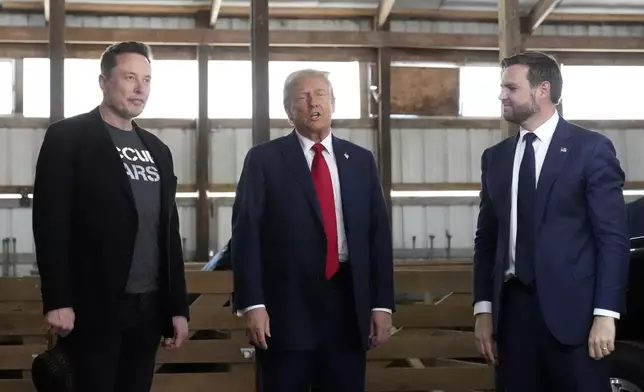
346,173
505,172
114,165
296,163
552,166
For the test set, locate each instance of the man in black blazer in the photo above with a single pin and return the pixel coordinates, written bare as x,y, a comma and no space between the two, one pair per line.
106,232
312,250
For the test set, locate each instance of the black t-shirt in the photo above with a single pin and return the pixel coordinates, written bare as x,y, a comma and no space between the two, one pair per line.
146,187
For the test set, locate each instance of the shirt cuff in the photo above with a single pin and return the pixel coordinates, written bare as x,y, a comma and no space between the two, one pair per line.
381,310
482,307
243,311
607,313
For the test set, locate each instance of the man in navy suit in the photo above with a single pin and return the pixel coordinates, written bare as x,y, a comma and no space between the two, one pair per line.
312,250
552,244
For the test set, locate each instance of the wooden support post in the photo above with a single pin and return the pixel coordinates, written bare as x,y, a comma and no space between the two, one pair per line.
203,158
384,123
510,43
203,151
18,94
56,60
259,58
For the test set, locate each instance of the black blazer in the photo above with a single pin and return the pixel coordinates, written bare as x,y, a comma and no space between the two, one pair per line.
85,223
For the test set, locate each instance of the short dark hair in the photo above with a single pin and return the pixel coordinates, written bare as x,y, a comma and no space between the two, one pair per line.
108,58
541,68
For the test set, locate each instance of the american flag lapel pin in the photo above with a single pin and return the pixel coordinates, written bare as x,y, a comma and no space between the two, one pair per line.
346,156
563,149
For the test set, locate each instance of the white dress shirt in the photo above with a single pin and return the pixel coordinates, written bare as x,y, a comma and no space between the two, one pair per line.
541,143
329,157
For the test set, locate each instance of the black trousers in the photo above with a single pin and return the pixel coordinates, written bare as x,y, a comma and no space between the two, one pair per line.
121,360
339,362
530,357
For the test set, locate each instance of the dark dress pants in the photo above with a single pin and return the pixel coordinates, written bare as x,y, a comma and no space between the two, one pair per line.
531,359
121,360
337,365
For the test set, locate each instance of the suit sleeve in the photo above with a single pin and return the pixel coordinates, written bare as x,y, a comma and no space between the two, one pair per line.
484,242
607,210
178,291
52,214
248,210
380,247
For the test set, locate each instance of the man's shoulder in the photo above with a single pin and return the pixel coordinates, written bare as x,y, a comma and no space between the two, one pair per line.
352,148
587,137
500,146
69,127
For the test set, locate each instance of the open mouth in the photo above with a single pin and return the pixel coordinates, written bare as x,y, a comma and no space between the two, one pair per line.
315,116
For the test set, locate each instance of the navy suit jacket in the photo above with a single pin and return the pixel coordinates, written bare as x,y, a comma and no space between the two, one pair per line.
278,243
581,232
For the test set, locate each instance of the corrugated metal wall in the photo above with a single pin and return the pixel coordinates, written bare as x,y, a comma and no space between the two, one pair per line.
419,155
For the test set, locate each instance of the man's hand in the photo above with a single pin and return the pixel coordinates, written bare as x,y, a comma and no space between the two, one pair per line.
380,328
60,321
483,336
180,326
601,341
258,326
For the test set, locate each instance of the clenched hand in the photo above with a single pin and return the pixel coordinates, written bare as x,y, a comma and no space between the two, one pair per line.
60,321
180,326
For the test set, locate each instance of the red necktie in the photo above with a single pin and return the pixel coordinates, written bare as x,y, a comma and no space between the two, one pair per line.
324,187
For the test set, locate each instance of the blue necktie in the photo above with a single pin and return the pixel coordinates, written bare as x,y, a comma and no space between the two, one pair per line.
524,259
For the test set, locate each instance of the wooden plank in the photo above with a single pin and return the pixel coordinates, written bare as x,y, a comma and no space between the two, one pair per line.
22,323
209,351
425,91
215,282
19,357
457,279
210,318
236,381
449,379
20,289
433,316
402,347
17,385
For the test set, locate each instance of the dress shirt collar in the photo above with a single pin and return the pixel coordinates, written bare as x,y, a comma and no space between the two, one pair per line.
307,143
545,131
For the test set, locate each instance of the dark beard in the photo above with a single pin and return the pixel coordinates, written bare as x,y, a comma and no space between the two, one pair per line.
521,113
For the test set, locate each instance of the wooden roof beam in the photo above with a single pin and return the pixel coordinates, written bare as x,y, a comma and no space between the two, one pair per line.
215,7
538,14
384,10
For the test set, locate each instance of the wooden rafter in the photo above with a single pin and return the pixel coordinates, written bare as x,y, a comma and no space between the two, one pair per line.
215,7
313,12
539,13
384,10
322,39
